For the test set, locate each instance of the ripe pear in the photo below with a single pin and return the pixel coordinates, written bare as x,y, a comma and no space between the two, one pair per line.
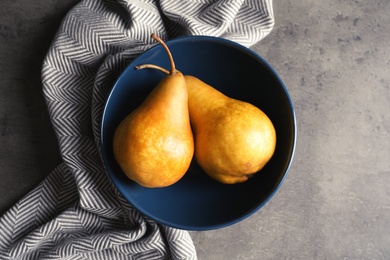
154,144
233,139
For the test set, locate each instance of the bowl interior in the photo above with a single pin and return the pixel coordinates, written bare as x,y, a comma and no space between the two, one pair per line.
197,202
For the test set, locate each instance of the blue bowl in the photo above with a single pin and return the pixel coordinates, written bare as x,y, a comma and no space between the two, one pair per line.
198,202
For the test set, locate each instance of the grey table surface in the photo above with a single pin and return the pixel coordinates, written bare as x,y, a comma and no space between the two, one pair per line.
333,56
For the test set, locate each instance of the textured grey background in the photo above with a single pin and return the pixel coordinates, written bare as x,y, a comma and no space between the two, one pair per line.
334,57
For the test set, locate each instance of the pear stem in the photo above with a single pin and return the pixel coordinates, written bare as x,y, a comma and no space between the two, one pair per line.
173,68
152,66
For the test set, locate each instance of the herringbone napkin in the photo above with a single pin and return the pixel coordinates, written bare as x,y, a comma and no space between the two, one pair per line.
76,213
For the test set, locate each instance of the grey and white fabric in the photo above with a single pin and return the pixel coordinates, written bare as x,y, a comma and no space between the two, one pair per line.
76,212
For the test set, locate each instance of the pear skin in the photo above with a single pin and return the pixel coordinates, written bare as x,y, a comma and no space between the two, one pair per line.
154,144
233,139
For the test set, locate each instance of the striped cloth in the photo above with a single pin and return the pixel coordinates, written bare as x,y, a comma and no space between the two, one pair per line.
76,212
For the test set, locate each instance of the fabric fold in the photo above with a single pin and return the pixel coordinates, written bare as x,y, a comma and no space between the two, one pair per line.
76,212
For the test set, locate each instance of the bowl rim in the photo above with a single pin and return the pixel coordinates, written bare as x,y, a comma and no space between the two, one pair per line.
292,115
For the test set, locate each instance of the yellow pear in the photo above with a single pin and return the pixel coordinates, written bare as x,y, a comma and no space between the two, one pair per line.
154,144
233,139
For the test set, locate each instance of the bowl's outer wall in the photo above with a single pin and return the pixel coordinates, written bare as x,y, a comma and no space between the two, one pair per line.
197,202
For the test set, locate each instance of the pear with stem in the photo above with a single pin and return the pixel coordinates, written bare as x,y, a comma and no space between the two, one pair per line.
154,144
